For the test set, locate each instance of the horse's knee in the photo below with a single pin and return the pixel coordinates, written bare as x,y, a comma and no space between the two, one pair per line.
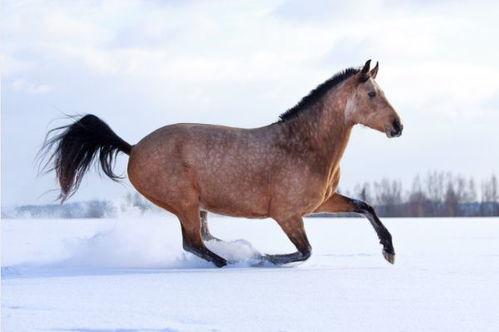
362,207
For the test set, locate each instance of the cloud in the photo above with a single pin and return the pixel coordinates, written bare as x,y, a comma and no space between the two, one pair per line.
324,11
30,87
11,65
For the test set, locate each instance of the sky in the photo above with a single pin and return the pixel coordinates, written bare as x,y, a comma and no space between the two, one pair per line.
140,65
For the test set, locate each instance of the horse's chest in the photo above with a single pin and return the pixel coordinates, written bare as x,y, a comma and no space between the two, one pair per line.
297,194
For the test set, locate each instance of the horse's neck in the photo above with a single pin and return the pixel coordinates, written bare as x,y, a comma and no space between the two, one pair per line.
322,130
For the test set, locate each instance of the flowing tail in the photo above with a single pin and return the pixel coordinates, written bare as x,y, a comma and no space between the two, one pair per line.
74,148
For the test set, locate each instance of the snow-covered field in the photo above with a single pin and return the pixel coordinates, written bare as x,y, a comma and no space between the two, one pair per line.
131,274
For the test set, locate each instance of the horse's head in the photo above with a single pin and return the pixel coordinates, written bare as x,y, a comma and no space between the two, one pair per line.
368,105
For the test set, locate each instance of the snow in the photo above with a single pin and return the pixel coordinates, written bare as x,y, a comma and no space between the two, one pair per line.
131,274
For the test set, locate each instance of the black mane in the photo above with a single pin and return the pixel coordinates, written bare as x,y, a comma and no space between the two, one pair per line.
317,93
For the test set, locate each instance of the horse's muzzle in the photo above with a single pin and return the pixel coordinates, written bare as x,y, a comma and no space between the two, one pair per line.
396,129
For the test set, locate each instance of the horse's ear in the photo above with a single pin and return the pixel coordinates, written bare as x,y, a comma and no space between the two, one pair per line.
364,72
374,71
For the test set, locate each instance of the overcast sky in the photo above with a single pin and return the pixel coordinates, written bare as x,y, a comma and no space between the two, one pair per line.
140,65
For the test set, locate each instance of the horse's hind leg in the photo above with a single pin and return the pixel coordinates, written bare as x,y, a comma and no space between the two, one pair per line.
205,232
190,222
295,230
192,240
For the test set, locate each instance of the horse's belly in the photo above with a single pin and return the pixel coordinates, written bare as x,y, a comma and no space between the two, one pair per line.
237,207
235,199
235,211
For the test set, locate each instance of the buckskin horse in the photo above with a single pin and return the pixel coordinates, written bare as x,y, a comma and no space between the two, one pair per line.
283,171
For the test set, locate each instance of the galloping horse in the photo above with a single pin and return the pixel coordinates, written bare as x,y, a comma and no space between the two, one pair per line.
284,171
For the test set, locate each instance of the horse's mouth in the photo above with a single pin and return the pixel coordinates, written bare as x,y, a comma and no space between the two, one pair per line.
391,133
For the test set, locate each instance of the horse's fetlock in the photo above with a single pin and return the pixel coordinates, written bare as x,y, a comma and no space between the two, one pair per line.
306,253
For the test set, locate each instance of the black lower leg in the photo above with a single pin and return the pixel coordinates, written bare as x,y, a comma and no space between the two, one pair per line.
193,243
289,258
385,238
205,253
295,231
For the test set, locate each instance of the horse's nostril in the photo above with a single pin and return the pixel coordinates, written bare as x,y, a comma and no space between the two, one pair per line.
397,126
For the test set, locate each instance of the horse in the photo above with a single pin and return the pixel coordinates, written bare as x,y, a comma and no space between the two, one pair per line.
284,171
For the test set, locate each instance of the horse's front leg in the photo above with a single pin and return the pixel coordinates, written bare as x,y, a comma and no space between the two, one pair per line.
339,203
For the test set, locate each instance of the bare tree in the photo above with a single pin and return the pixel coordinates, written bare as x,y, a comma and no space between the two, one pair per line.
363,192
138,201
435,186
471,192
388,196
451,200
490,197
417,202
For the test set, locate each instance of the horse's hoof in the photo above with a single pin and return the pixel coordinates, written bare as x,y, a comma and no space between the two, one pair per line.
390,257
220,262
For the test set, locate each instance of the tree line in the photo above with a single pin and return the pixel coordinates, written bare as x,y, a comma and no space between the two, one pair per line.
435,194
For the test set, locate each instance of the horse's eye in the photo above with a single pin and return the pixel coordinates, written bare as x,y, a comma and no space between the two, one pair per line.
372,94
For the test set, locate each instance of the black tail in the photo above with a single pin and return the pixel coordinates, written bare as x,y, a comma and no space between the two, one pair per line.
76,147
